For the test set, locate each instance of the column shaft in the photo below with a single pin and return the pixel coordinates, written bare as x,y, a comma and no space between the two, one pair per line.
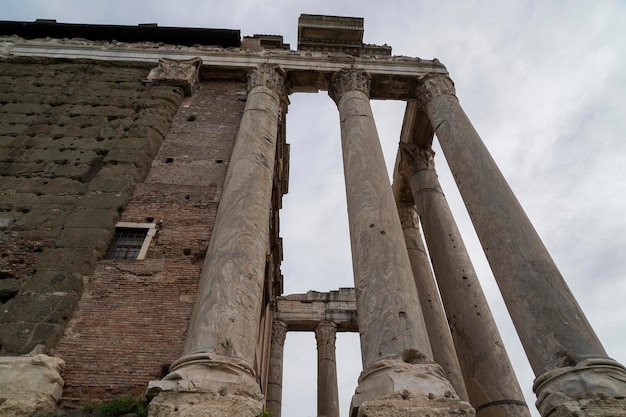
224,326
439,335
390,322
489,377
327,389
274,396
553,329
395,350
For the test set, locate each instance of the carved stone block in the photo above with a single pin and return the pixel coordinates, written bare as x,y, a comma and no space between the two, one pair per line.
182,73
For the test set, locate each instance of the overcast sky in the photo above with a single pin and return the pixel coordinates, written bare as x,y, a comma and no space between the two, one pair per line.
544,83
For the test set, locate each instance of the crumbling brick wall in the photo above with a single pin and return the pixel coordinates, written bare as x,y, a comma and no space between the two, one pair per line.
131,322
75,140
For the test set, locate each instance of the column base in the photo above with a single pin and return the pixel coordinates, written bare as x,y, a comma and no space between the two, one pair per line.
394,388
30,384
206,385
593,387
610,407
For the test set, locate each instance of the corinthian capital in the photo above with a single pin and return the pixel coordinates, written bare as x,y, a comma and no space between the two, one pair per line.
409,218
326,333
432,86
415,158
348,80
270,76
279,332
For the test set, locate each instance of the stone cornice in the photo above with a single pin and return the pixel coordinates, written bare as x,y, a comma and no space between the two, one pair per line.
392,77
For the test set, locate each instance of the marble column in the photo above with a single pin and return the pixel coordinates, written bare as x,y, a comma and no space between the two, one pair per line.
395,350
220,345
572,368
274,397
439,335
327,390
490,380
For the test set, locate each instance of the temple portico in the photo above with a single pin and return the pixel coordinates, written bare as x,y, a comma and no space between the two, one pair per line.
429,344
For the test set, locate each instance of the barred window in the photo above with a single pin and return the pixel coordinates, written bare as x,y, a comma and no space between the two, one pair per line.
131,240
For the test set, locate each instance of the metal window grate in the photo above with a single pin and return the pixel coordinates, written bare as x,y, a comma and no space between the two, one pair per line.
127,243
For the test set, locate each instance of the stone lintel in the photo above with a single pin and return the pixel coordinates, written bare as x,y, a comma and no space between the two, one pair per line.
393,78
304,312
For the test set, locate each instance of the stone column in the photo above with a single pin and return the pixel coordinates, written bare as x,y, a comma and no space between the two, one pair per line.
572,368
396,354
436,322
219,352
327,390
489,377
274,397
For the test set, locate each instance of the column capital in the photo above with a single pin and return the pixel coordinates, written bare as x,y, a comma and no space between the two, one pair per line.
348,80
408,216
326,333
279,332
433,86
415,158
270,76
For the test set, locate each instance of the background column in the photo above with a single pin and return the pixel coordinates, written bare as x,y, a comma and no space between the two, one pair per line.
434,315
327,389
563,350
274,397
489,377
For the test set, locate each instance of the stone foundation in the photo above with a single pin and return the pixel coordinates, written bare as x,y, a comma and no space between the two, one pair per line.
408,406
201,404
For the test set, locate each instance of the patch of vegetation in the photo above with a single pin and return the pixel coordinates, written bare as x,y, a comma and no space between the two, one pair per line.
120,406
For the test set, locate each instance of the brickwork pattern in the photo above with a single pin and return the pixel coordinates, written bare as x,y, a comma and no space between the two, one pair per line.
131,322
75,140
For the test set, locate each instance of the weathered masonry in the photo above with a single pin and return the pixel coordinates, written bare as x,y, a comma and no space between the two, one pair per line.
142,172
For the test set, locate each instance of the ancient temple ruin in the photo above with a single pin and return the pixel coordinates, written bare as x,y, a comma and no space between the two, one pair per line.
142,170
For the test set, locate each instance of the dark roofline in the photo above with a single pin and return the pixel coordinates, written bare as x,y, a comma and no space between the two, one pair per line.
225,38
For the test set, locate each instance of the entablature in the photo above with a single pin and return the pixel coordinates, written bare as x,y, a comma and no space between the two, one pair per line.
393,78
303,312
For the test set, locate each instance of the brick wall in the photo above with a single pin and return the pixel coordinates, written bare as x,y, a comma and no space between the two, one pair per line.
132,319
75,140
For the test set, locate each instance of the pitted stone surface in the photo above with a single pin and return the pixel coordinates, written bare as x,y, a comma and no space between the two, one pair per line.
75,139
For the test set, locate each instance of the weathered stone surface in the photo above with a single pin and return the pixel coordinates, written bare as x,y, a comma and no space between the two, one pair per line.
419,381
169,404
29,384
408,406
591,380
609,407
61,127
182,73
8,289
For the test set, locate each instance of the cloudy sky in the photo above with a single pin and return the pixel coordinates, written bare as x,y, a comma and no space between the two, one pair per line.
544,84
